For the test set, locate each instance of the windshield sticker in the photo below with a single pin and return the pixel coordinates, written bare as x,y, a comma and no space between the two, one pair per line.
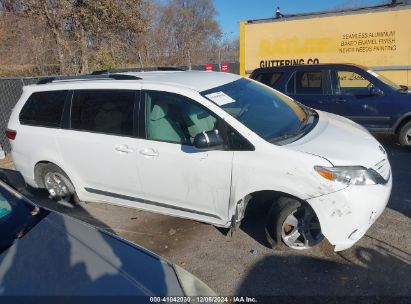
220,98
373,73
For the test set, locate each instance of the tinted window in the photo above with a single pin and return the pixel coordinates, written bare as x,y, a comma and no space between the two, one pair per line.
350,83
269,79
175,118
306,83
103,111
44,109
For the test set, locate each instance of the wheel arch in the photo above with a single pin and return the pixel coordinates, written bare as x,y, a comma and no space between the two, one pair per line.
38,171
263,198
403,120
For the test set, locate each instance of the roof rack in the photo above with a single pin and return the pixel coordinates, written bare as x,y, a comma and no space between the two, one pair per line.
141,70
100,72
169,69
89,78
46,80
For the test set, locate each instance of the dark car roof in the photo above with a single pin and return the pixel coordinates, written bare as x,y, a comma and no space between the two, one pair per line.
308,67
64,256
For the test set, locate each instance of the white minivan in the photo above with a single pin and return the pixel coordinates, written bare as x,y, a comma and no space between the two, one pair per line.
204,146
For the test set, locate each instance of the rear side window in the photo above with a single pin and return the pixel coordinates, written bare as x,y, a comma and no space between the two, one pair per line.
44,109
306,83
269,79
103,111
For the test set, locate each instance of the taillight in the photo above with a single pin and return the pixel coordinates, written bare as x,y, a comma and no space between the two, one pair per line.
11,134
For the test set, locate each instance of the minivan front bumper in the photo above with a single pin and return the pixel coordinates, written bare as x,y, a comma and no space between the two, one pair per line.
346,215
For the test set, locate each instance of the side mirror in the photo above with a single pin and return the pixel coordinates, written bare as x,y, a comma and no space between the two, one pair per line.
207,140
374,91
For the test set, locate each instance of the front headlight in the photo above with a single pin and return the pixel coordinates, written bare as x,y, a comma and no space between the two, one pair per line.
354,175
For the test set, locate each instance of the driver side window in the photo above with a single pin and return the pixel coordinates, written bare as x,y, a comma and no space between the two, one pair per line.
175,118
351,84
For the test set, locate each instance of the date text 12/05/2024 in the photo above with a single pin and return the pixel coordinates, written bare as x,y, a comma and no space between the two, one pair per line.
199,299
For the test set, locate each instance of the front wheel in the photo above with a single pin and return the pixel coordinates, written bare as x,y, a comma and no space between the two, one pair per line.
404,136
292,224
58,184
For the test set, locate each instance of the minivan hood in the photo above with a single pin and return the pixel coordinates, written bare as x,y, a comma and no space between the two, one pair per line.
341,141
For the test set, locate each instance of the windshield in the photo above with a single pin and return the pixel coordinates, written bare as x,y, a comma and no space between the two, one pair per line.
270,114
17,217
385,80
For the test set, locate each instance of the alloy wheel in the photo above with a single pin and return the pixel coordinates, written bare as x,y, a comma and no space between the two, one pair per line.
58,186
301,229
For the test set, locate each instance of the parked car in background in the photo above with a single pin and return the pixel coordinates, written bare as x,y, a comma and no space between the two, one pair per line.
45,253
353,91
203,146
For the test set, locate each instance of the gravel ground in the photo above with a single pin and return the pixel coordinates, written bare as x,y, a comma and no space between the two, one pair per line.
379,264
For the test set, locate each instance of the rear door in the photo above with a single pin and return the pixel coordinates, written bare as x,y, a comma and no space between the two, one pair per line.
310,87
99,146
358,96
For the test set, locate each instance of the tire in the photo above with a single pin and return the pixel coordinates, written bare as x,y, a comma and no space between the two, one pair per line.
292,224
58,184
404,136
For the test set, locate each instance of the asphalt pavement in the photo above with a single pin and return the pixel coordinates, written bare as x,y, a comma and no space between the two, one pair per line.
243,264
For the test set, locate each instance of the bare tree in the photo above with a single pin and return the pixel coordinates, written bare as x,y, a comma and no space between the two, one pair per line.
189,29
76,36
80,27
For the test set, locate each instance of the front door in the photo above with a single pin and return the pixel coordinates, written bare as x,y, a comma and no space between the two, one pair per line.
357,97
175,175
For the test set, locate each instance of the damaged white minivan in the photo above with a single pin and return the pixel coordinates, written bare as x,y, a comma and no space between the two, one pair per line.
204,146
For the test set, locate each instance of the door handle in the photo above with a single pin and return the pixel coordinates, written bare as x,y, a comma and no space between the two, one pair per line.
149,152
123,149
340,100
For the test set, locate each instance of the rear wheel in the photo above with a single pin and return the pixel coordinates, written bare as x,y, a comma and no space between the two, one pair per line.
404,136
58,184
292,224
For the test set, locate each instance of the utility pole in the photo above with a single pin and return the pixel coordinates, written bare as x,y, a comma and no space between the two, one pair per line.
189,59
220,47
140,59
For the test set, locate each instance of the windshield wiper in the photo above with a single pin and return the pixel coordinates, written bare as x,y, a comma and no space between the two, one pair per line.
301,130
284,137
309,113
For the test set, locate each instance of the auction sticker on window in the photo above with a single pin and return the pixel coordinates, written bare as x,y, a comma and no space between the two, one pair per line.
220,98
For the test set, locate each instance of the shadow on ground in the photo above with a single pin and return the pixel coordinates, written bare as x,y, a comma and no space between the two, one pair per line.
361,271
400,159
41,197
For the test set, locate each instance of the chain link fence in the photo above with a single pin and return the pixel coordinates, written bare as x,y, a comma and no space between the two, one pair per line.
12,88
10,92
